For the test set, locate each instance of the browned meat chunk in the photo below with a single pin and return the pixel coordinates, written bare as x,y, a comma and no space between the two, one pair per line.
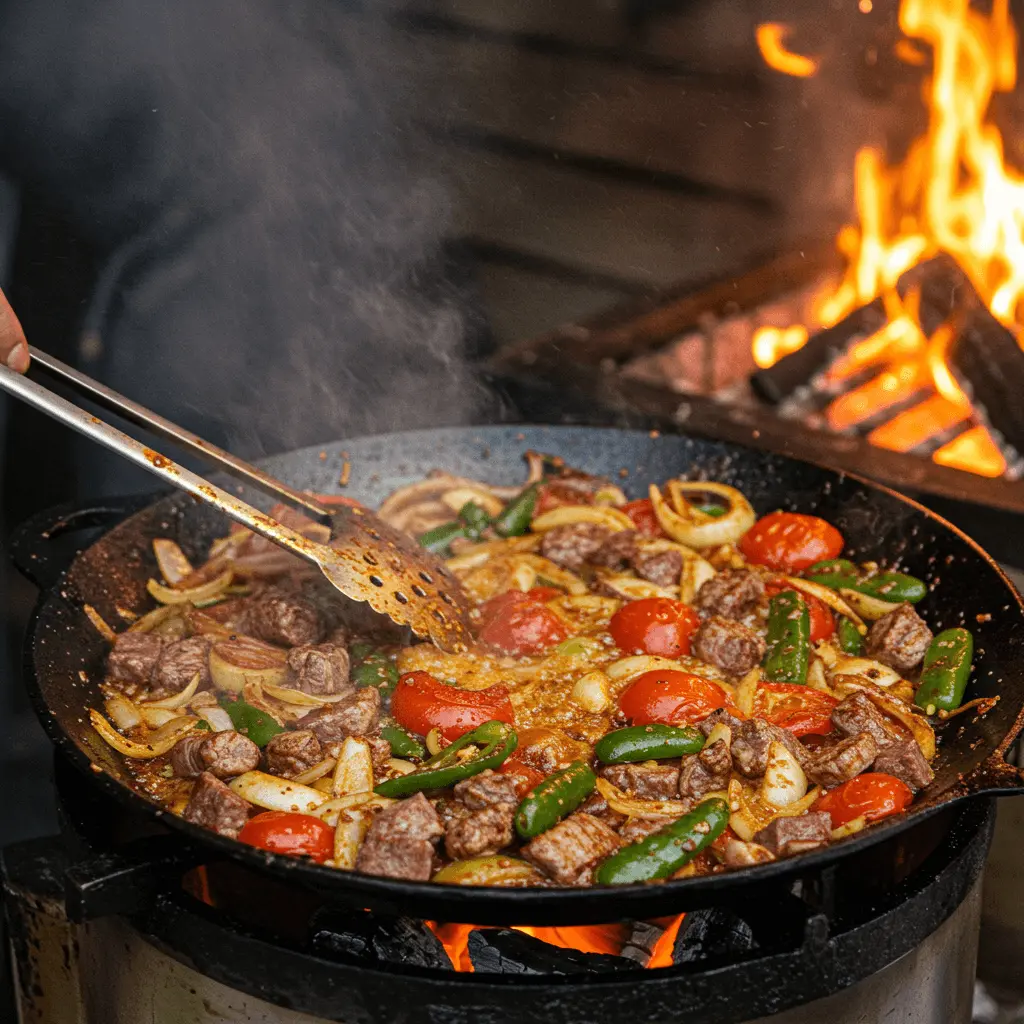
636,829
486,830
571,847
281,618
905,761
705,772
223,754
750,743
400,842
858,713
662,568
618,550
320,668
380,754
214,806
291,753
596,805
728,645
573,545
644,781
899,639
358,715
720,715
133,657
731,594
785,837
488,789
179,662
836,764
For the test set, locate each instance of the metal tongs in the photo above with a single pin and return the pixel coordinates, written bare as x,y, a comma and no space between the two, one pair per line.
366,559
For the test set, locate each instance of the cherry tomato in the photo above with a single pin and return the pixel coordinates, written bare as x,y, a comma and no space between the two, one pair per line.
644,517
789,541
523,775
671,697
873,795
519,623
801,709
823,623
655,625
420,703
295,834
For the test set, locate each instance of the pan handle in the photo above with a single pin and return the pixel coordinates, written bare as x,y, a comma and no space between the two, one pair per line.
31,546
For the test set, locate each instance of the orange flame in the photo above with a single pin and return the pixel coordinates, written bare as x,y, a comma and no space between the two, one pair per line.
771,41
953,193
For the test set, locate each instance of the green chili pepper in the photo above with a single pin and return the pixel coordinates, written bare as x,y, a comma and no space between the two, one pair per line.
439,539
377,669
551,800
850,640
251,722
648,743
359,651
947,665
789,639
514,519
203,726
669,849
894,587
475,520
402,744
715,511
496,741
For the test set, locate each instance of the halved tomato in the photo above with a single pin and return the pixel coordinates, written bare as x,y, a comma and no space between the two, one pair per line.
421,703
285,832
873,795
671,697
801,709
518,623
644,518
790,541
655,625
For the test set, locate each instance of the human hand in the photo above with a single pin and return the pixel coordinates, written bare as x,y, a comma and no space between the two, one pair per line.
13,347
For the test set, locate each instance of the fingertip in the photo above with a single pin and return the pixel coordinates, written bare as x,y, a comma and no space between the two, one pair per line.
17,358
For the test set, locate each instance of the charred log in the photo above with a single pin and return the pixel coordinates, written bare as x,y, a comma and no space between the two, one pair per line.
503,951
374,939
944,290
712,933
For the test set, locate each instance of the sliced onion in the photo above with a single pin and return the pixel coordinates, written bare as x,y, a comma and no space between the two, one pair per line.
478,554
102,627
635,808
432,741
816,676
206,625
784,780
157,617
632,589
170,595
348,837
696,572
591,692
353,772
123,713
216,718
571,515
157,717
609,494
496,871
865,605
745,854
329,810
750,814
421,506
155,745
174,564
234,663
696,529
719,731
316,771
176,700
252,693
274,794
879,674
746,691
919,727
829,596
399,766
850,828
458,497
300,698
569,582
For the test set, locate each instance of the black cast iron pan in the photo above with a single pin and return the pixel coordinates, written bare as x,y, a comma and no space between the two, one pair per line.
64,654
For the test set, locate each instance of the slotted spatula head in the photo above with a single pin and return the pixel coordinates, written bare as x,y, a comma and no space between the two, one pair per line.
368,560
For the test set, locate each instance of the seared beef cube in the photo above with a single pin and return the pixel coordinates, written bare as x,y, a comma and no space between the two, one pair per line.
291,753
380,754
618,550
133,657
214,806
731,594
224,754
320,668
858,713
647,781
572,846
833,765
596,805
750,743
483,831
720,715
400,841
785,837
488,789
728,645
899,639
281,618
705,772
573,545
905,761
179,662
358,715
663,568
636,829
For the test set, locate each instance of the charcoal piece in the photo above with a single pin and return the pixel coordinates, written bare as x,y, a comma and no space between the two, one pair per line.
641,942
712,933
989,365
372,938
944,290
503,951
799,368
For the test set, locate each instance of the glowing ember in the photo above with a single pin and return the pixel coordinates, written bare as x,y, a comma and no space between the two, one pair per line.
596,938
953,193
